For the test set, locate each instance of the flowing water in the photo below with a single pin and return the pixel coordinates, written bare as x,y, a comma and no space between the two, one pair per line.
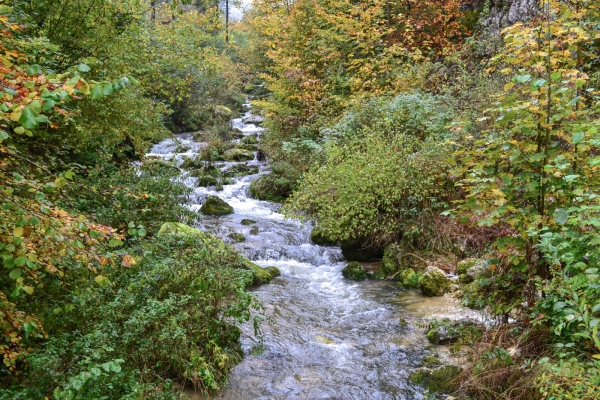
331,338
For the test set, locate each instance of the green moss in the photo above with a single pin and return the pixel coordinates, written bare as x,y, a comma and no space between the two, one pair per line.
238,155
248,222
176,228
465,279
431,360
437,380
409,279
434,282
354,271
237,237
464,265
274,271
249,140
392,259
215,206
240,170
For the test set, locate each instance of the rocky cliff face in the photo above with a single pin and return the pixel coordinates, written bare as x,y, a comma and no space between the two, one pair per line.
503,13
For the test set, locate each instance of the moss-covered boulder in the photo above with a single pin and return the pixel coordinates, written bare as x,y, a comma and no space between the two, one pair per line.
193,163
238,154
274,271
223,111
176,228
215,206
240,170
447,331
392,259
409,279
442,379
318,236
248,222
464,265
434,282
250,139
254,230
233,259
237,237
354,271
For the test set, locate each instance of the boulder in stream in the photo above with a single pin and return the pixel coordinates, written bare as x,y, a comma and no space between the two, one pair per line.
250,139
215,206
409,279
238,155
434,282
392,259
448,332
248,222
354,271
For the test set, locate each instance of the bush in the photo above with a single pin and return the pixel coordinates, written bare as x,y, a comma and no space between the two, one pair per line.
171,316
148,196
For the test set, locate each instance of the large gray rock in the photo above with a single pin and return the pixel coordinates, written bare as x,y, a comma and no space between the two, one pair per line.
434,282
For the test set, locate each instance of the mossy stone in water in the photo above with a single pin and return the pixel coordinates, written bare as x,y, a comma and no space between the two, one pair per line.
274,271
254,230
436,380
249,139
409,279
238,155
248,222
354,271
432,360
434,282
215,206
237,237
392,259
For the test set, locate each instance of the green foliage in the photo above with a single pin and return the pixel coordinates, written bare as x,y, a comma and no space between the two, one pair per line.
385,165
147,195
171,315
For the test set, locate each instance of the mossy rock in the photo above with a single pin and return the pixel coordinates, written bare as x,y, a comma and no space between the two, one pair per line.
250,139
238,155
248,222
274,271
182,149
240,170
392,259
434,282
465,279
439,380
409,279
237,237
464,265
207,180
318,236
249,88
223,111
249,147
176,228
215,206
193,163
431,360
254,230
449,332
354,271
160,166
260,275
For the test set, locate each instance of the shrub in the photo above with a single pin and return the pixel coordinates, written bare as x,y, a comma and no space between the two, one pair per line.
277,185
385,168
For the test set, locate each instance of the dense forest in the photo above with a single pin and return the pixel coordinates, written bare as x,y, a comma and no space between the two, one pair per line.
452,144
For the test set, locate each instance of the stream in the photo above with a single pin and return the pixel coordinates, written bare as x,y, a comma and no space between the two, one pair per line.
331,338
